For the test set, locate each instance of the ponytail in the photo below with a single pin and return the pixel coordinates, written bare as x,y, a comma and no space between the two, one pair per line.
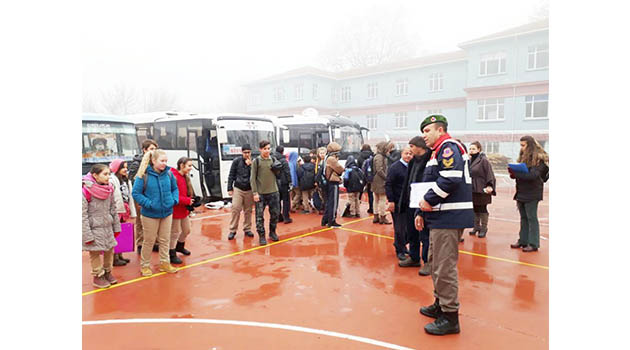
149,157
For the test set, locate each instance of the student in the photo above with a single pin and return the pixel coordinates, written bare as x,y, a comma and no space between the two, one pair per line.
306,181
393,189
383,149
366,153
483,185
321,193
529,192
284,186
125,205
180,228
147,145
240,189
354,182
157,199
265,190
100,224
333,172
296,193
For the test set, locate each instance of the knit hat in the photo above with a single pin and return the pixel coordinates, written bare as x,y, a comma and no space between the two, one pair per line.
115,165
433,118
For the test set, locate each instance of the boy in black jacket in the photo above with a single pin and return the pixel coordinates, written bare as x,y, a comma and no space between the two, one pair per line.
306,180
240,189
354,182
284,186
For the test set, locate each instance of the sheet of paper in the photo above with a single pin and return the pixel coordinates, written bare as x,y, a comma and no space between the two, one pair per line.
418,190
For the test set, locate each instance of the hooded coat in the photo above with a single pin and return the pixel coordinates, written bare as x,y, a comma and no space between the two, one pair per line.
380,168
482,176
293,157
99,221
161,193
334,170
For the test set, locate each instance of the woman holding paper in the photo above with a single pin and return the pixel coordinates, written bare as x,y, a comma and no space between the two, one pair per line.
529,191
483,186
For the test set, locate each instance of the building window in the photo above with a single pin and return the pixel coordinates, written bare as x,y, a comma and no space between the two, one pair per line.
315,91
402,87
334,95
434,111
372,91
490,109
278,95
299,92
255,99
538,56
492,64
346,94
371,121
401,120
490,147
536,106
436,82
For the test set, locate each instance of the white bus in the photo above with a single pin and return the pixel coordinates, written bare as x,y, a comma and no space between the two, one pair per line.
212,141
310,131
105,138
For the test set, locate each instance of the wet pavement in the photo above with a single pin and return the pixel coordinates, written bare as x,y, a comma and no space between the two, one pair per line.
319,287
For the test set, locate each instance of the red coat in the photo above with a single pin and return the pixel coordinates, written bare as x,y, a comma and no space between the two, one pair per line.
180,211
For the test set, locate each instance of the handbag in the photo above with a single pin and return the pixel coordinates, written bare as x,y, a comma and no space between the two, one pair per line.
125,238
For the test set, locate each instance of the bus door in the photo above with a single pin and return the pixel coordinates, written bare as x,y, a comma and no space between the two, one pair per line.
195,173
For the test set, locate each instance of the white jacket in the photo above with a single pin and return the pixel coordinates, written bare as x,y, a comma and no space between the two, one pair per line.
120,206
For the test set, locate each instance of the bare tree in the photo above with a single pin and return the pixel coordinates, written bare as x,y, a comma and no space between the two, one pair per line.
377,36
156,100
540,11
120,100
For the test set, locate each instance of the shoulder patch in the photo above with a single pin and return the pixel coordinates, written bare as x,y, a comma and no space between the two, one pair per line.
447,153
448,163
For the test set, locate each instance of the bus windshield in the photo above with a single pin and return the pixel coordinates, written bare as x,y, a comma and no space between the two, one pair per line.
350,140
237,138
106,141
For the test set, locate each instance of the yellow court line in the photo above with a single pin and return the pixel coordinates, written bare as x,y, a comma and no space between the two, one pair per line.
217,258
461,251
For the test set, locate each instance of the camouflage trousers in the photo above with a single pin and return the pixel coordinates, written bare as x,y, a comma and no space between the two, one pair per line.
273,201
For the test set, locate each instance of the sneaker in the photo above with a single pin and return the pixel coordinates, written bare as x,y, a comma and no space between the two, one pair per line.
249,234
357,215
231,235
334,224
446,323
100,282
401,256
408,262
262,240
110,278
425,270
370,211
167,267
530,248
288,221
118,261
274,237
146,271
305,212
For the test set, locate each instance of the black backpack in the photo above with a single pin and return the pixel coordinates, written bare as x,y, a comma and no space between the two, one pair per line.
307,182
368,169
356,180
320,176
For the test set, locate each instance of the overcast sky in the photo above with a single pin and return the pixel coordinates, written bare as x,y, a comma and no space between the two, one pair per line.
200,50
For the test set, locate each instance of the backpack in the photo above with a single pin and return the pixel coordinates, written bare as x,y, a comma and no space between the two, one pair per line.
276,166
320,177
368,169
355,180
307,182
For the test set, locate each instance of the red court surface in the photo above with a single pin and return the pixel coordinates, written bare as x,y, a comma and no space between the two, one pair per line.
322,288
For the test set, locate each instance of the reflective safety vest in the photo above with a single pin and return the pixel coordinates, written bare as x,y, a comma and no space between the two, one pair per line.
451,195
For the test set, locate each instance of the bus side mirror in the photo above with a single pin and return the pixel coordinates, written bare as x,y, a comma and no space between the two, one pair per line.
222,135
337,134
286,136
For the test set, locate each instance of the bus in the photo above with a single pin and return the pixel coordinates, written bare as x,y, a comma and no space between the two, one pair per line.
212,141
107,137
309,131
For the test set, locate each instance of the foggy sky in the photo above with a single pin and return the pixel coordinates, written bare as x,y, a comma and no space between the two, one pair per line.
201,50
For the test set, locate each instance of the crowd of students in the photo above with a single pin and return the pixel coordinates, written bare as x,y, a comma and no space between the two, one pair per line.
160,199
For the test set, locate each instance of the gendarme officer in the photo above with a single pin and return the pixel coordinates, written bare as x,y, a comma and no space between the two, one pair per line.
446,210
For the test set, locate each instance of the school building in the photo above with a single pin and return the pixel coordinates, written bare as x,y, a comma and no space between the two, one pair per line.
493,89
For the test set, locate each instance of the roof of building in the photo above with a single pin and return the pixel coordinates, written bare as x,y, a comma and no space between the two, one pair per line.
515,31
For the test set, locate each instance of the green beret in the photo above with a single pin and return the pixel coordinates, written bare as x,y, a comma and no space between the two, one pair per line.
433,118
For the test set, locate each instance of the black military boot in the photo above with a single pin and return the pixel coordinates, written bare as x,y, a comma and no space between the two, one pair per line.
274,237
262,239
483,226
173,257
432,310
446,323
180,248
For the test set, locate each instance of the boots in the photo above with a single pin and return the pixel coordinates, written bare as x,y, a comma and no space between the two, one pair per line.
262,239
376,219
432,310
180,248
383,220
100,282
167,267
274,237
425,270
118,261
124,259
483,227
446,323
110,278
476,228
173,257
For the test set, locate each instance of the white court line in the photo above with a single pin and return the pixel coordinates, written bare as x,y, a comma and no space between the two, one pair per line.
209,216
252,324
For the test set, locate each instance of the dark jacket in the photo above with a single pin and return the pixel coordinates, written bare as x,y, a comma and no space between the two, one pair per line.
416,165
393,157
529,186
355,181
482,176
363,156
306,167
394,183
239,175
133,167
284,179
380,168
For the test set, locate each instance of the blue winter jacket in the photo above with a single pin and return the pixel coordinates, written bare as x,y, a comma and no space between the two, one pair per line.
160,196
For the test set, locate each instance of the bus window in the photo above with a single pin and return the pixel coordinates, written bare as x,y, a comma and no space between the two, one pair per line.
165,133
350,139
237,138
183,126
323,139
